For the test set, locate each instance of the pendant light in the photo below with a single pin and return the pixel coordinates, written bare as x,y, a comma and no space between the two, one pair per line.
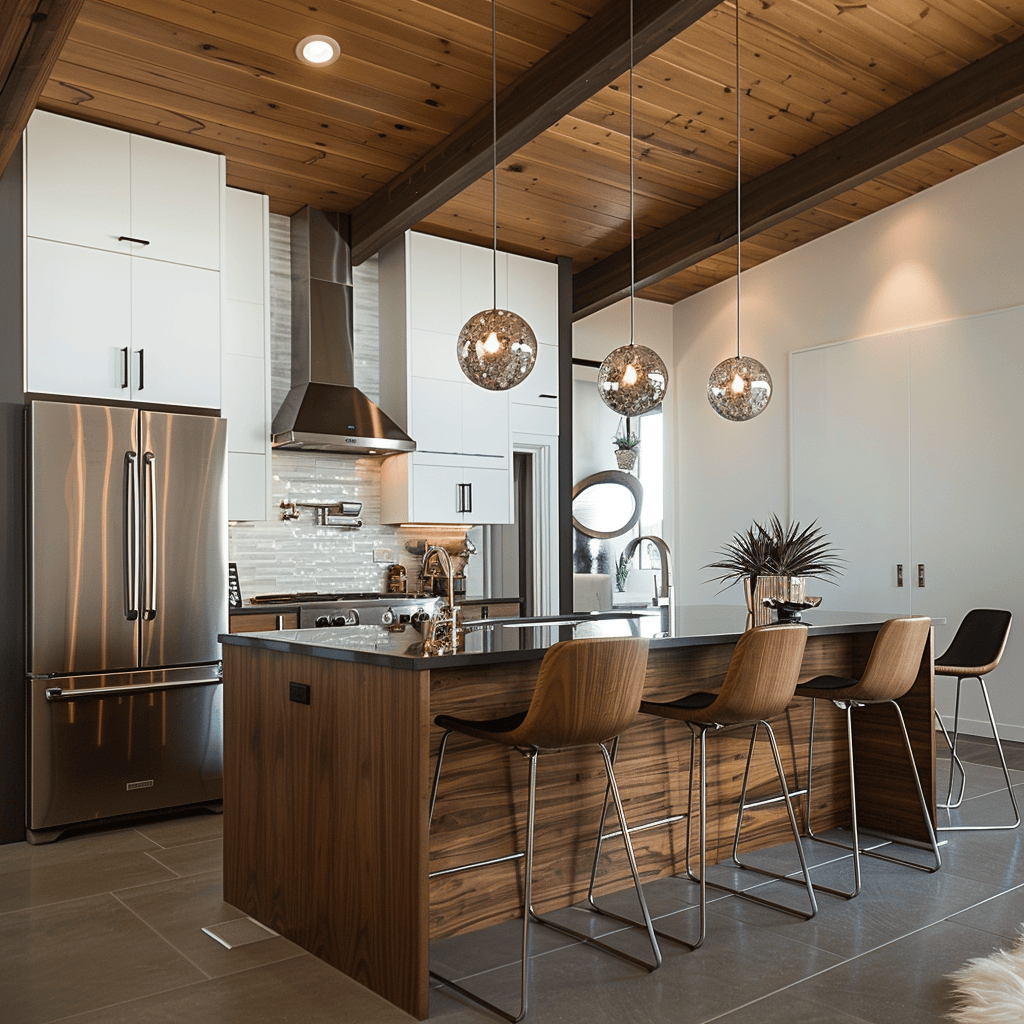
740,387
497,348
633,379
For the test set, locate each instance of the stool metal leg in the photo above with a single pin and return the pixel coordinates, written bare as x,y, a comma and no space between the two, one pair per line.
955,761
856,848
792,824
1002,761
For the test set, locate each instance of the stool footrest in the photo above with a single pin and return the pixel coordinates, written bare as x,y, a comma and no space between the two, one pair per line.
476,864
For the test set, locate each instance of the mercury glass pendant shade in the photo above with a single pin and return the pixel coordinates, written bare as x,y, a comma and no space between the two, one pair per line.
632,380
739,388
497,349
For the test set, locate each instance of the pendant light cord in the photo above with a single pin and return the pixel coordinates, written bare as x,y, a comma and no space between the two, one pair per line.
739,183
494,145
632,233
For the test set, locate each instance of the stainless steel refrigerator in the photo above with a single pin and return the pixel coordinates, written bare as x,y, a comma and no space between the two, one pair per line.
127,592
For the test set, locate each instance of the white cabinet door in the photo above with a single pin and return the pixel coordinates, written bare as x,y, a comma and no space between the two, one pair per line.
175,334
436,424
533,294
175,202
485,422
850,465
77,182
478,281
77,321
541,387
435,284
967,491
488,498
436,494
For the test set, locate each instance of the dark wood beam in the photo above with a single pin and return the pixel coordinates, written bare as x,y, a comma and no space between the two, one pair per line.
33,35
952,107
579,67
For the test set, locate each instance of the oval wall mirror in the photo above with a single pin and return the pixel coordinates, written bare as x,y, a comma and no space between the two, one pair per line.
607,504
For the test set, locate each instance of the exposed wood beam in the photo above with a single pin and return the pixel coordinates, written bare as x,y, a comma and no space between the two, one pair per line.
952,107
579,67
34,32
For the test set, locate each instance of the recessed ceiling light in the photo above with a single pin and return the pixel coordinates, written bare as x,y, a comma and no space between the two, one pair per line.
319,51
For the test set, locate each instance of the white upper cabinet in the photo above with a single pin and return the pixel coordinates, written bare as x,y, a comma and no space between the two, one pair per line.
123,266
176,203
78,182
94,186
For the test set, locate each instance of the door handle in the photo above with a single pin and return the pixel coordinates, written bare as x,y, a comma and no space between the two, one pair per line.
58,693
920,574
899,574
131,536
149,527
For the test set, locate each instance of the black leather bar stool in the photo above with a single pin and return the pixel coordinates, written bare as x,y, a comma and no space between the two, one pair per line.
890,672
588,691
759,685
976,650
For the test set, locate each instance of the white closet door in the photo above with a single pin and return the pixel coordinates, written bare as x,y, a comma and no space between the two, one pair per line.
849,439
967,492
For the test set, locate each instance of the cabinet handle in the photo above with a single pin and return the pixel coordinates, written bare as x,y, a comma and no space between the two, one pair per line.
899,574
469,498
460,497
124,367
548,396
128,238
920,574
142,368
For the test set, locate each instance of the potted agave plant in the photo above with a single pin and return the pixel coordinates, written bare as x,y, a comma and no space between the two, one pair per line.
774,561
627,448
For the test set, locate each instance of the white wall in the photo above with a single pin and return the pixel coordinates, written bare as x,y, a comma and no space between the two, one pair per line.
948,253
594,424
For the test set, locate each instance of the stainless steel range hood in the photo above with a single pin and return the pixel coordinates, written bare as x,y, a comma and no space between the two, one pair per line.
324,411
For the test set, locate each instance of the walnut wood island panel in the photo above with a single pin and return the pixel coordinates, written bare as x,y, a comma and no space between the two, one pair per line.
328,754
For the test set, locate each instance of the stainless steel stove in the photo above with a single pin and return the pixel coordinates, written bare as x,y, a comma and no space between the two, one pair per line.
366,609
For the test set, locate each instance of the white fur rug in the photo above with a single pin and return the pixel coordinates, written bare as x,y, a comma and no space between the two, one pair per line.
990,990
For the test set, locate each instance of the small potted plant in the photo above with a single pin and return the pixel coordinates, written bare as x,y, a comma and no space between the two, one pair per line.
627,448
622,567
774,561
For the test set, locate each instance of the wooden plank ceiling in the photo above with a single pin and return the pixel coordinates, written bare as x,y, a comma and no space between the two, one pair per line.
368,134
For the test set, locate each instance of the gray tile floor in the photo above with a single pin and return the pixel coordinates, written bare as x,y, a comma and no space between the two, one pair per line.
105,928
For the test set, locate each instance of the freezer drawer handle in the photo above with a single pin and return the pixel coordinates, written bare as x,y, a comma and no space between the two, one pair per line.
131,534
149,481
57,693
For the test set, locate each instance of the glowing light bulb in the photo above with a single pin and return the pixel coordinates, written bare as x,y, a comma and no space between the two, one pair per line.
737,385
629,376
318,51
491,344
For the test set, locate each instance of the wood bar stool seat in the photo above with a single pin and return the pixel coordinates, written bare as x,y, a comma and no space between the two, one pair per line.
588,691
890,672
977,648
759,685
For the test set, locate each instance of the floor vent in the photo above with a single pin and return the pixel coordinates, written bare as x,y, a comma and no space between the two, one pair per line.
239,933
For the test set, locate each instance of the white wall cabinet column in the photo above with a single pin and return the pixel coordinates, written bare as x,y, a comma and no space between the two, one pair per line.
246,353
905,448
122,230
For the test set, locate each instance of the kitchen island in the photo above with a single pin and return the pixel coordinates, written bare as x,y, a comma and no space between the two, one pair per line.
328,753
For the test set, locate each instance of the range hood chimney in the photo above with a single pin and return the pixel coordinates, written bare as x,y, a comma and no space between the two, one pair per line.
324,411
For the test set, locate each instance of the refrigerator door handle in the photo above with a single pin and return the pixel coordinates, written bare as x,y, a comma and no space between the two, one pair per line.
55,693
149,530
131,536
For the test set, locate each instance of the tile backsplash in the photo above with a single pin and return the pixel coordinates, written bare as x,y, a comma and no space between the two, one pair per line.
284,556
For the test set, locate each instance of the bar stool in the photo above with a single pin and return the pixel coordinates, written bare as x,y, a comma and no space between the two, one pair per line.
587,692
976,649
759,684
890,672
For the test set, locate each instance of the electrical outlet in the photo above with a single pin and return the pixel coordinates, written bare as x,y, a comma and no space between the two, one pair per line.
298,692
383,555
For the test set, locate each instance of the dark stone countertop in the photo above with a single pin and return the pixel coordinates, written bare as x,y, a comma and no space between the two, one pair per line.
495,642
